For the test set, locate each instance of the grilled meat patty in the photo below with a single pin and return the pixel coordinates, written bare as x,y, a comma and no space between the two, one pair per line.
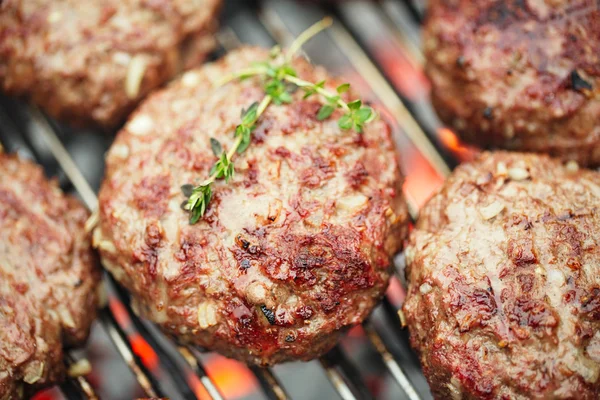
518,74
296,248
89,62
48,278
504,272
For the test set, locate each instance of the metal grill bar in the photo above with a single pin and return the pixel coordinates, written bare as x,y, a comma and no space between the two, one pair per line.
388,96
150,386
176,373
64,159
416,9
270,384
407,27
80,384
193,360
390,362
344,375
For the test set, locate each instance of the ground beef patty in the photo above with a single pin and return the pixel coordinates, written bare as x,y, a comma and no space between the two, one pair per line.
518,74
504,272
48,278
292,251
91,61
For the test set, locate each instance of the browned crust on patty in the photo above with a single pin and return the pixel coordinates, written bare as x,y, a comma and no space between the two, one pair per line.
78,59
48,278
519,74
294,250
504,272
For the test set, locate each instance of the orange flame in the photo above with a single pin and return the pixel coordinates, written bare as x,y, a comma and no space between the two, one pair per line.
451,141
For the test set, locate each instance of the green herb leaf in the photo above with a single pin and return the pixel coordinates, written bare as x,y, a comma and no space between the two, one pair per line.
187,190
198,202
355,105
286,70
244,144
345,122
223,168
278,92
216,147
250,115
333,100
343,88
285,97
325,112
364,114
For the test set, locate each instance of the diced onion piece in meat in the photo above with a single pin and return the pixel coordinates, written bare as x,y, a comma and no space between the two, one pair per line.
135,75
207,315
489,212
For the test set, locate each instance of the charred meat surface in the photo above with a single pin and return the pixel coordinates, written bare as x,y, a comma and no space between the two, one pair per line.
48,278
519,74
90,62
504,281
291,252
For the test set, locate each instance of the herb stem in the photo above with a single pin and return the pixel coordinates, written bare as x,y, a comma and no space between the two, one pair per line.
248,72
261,109
323,92
306,36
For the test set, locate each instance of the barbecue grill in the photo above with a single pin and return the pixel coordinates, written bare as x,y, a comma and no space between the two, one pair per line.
375,45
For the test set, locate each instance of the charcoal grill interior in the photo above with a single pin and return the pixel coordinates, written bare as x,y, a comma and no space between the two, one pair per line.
375,44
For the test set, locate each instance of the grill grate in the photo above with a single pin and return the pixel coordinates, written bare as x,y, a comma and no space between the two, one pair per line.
345,49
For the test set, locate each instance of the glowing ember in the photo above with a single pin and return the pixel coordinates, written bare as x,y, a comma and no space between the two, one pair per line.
233,378
120,312
50,394
144,351
421,179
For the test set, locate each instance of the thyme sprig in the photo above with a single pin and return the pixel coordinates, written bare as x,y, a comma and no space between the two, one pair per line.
199,196
280,80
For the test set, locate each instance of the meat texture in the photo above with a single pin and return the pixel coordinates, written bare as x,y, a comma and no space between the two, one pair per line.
48,278
292,251
504,272
89,62
518,74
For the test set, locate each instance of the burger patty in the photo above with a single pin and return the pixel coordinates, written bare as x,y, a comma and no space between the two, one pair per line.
48,278
89,62
518,74
292,251
504,272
